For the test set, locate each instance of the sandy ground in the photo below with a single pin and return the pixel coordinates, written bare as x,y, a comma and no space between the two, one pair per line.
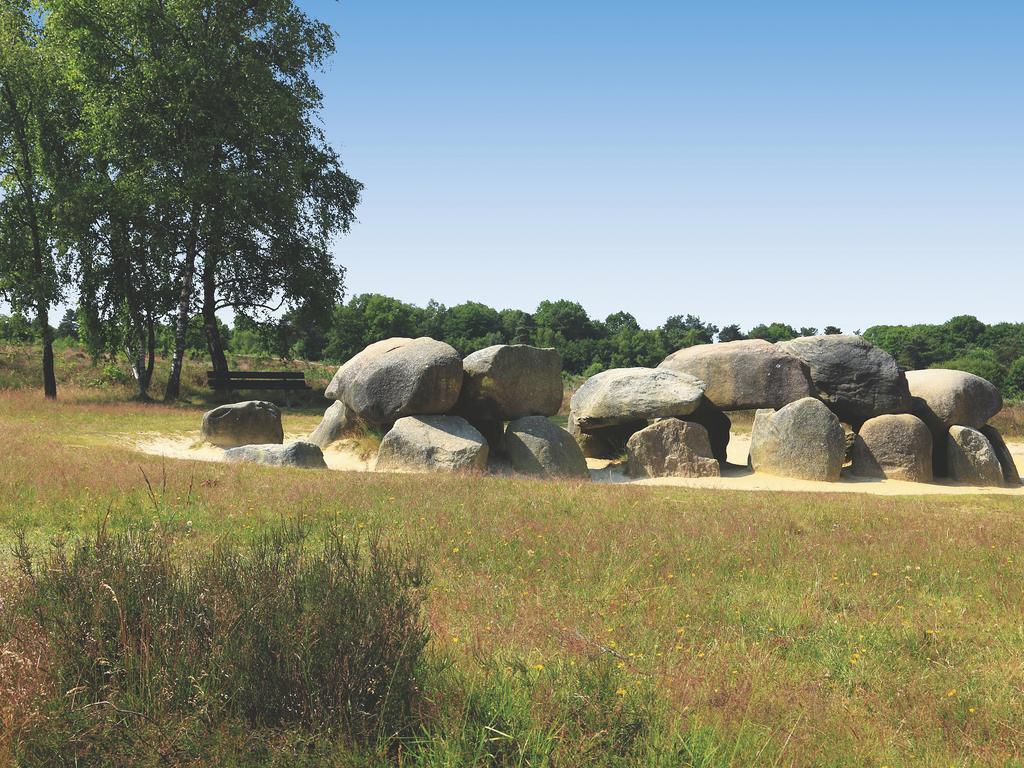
345,457
340,456
738,478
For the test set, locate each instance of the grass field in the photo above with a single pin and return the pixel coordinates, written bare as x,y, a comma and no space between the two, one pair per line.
570,623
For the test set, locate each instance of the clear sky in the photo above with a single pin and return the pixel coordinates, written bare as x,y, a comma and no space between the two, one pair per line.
809,162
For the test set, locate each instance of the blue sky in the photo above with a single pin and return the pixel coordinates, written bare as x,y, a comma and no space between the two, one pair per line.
815,163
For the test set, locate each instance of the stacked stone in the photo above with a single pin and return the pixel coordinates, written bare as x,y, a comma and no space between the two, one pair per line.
810,391
956,407
612,414
822,403
442,413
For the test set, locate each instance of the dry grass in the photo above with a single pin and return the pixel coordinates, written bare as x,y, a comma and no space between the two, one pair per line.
800,629
1010,422
82,379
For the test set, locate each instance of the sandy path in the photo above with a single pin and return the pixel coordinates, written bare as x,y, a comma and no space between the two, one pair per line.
343,456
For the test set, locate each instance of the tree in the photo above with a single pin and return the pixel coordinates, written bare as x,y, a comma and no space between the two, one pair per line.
832,330
562,319
1015,379
471,326
31,134
730,333
964,330
16,329
68,326
212,109
517,326
774,333
808,331
618,322
687,331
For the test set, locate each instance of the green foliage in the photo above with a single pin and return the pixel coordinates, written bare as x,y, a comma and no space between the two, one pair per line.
730,333
16,329
687,331
981,362
163,158
1014,383
774,332
963,343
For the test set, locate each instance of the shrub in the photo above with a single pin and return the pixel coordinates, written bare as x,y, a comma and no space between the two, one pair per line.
980,362
279,633
1014,387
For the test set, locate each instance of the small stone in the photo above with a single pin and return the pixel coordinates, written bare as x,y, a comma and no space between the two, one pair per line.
672,448
246,423
432,443
537,446
972,459
298,454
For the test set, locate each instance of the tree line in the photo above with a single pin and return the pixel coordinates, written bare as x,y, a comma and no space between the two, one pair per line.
588,345
163,161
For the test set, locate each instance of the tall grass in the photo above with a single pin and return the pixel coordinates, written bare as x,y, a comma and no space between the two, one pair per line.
280,632
248,651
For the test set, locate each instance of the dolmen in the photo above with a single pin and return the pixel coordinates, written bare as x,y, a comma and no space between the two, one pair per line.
824,405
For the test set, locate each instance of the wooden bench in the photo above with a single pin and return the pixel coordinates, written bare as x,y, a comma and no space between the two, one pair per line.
233,381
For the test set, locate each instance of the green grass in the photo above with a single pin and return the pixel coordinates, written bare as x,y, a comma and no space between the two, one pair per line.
582,624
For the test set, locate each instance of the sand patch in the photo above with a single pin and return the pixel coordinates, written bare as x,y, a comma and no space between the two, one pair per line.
343,456
737,477
348,456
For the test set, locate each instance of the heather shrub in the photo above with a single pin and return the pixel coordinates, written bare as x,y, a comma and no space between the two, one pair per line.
323,635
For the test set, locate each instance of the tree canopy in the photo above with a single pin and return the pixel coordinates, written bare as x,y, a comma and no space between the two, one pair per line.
180,142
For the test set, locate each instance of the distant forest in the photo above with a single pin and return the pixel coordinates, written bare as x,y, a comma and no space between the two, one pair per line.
587,344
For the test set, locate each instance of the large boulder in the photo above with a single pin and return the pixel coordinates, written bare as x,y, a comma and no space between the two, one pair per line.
399,377
624,395
604,442
432,444
945,398
746,374
1011,476
949,398
297,454
856,379
337,421
671,448
246,423
971,458
803,439
896,447
537,446
506,382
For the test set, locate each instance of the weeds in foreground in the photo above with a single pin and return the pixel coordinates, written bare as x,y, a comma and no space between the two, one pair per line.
291,651
281,632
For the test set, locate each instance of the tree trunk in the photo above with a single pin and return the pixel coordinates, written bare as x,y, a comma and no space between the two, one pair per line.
143,357
150,348
173,390
218,360
49,374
